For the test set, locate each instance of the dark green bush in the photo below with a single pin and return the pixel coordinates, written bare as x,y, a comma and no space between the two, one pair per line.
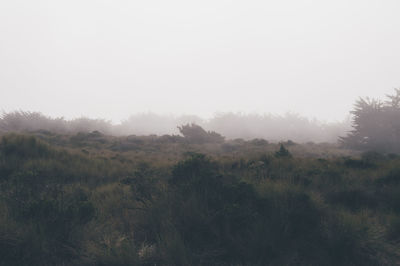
283,152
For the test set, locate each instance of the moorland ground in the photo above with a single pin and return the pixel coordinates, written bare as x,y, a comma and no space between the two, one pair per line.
92,199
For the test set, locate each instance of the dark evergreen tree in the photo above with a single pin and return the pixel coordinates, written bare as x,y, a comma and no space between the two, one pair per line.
376,125
283,152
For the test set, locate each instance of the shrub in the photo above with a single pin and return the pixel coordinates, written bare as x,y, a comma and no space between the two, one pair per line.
196,134
283,152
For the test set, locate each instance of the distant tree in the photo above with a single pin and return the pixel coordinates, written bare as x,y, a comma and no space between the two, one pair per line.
196,134
283,152
376,125
20,121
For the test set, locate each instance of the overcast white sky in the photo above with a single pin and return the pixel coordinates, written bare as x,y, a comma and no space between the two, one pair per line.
113,58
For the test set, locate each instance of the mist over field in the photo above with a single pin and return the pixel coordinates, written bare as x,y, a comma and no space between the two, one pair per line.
268,69
232,126
109,59
192,133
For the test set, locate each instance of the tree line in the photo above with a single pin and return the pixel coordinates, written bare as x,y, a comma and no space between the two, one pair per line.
230,125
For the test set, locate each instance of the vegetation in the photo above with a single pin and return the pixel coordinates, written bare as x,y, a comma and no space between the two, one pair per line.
196,134
93,199
376,125
232,126
70,195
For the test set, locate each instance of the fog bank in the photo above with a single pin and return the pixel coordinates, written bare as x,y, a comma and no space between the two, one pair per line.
231,125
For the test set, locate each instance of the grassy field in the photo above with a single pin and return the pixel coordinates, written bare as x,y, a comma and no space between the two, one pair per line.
91,199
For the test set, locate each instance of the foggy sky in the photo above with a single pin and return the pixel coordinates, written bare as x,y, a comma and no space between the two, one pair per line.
113,58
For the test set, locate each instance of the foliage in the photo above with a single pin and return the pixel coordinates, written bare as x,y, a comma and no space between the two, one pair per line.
93,199
283,152
21,121
376,125
196,134
230,125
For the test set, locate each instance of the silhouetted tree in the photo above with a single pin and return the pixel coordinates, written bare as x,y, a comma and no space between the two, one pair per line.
376,125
